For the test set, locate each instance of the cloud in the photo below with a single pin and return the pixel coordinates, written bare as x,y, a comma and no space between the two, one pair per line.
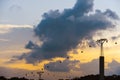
61,66
4,40
15,26
93,67
88,68
15,8
61,32
31,45
115,37
6,28
113,68
67,65
111,14
12,72
15,38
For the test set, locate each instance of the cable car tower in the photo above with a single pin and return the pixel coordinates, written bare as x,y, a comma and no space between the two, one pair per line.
101,58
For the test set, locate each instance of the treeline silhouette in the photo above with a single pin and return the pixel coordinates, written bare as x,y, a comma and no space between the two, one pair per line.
96,77
13,78
89,77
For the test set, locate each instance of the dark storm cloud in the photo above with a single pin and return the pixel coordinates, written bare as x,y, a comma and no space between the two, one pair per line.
111,14
61,32
31,45
81,7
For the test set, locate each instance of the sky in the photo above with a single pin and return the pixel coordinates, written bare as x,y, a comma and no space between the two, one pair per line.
59,37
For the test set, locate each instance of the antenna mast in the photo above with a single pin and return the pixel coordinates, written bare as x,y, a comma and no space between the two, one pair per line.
101,42
101,59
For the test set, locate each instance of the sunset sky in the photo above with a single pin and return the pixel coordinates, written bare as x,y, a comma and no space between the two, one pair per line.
58,36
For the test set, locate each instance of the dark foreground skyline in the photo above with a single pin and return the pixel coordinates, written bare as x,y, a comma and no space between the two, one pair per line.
88,77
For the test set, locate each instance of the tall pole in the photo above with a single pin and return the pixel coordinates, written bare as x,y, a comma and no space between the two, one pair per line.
101,58
102,54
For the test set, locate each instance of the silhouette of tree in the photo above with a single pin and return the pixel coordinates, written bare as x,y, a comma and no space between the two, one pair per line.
16,78
88,77
2,78
96,77
13,78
